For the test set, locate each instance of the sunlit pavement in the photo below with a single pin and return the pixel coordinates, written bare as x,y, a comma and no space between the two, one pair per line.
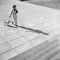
14,41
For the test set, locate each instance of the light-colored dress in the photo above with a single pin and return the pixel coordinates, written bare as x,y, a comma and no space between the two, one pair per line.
14,15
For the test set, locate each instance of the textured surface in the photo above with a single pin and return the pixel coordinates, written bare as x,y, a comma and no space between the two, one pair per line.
14,41
43,51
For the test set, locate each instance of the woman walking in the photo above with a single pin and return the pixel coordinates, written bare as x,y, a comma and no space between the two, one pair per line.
14,13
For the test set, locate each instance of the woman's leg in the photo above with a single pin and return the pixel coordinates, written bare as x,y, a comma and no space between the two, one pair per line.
15,19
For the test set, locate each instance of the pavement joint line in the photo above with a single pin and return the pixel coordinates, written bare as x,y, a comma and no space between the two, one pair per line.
6,43
18,46
46,49
55,56
52,50
19,37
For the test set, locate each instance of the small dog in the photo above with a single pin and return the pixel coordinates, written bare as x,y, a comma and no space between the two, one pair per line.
7,22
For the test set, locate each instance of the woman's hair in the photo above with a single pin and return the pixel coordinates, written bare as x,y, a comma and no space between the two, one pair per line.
14,6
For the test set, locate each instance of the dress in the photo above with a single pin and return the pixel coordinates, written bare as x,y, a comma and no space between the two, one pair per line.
14,15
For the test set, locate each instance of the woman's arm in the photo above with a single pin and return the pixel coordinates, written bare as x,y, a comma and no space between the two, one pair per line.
11,14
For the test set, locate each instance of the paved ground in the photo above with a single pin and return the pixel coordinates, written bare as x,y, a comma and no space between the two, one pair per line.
49,4
13,41
44,51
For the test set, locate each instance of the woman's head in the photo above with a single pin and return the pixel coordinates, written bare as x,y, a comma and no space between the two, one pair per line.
14,6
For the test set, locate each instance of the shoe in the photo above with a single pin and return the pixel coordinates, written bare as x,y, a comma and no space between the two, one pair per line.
16,26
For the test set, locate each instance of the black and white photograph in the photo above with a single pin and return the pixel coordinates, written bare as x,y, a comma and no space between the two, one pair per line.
29,29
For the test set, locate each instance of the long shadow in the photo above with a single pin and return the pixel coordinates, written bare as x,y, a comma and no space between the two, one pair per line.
33,30
30,29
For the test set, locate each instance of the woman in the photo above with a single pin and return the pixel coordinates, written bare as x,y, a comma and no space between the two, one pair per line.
14,13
